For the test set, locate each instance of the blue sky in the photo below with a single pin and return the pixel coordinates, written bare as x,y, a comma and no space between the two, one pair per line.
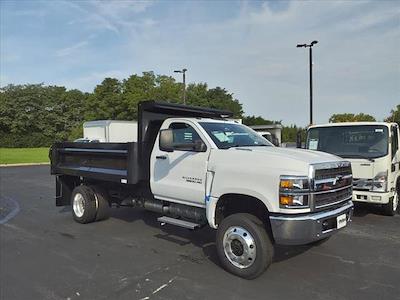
248,47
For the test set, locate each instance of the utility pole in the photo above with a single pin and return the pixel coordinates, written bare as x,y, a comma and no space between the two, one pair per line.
183,71
311,74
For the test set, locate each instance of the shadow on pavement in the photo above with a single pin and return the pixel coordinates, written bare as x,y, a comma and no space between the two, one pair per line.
363,209
203,238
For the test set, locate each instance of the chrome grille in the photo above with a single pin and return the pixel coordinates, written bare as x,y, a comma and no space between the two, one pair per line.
331,173
332,184
323,200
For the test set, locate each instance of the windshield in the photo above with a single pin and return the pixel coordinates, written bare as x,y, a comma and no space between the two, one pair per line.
227,135
366,141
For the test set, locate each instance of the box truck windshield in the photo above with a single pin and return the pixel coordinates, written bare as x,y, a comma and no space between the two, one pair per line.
364,141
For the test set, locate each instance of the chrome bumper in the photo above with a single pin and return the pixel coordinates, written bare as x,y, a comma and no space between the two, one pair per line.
304,229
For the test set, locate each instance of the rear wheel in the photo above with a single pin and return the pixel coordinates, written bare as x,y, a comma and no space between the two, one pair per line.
243,245
102,203
83,204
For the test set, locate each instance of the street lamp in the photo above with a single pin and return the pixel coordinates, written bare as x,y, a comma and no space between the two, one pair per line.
183,71
311,88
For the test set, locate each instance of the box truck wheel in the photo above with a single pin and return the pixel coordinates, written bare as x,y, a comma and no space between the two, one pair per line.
243,245
391,207
83,204
102,203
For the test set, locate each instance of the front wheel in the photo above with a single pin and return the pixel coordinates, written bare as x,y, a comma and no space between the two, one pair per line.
391,207
243,245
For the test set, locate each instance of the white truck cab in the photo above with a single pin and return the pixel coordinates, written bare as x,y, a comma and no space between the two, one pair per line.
373,150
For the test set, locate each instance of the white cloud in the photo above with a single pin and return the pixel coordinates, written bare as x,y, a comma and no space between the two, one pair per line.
72,49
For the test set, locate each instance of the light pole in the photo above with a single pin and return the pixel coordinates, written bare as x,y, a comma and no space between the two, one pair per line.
311,88
183,71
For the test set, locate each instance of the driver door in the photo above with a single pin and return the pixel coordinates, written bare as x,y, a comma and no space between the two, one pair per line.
179,176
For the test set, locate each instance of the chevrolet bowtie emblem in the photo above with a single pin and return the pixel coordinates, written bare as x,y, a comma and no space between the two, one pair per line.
337,179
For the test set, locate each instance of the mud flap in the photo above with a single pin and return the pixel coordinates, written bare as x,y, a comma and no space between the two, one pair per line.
64,187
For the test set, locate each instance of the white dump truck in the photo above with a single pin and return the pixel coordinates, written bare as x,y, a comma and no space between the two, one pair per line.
196,169
373,150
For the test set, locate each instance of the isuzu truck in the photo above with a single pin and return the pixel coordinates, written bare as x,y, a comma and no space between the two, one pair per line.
373,150
194,168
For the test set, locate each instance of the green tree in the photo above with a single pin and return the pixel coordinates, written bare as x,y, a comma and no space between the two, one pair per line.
347,117
257,120
394,115
106,101
289,133
37,115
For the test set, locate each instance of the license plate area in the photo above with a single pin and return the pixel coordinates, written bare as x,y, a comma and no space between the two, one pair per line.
334,223
341,221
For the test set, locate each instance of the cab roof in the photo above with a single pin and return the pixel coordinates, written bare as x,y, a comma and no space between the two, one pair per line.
351,124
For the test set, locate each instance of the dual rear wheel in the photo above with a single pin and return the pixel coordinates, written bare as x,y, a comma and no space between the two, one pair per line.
89,204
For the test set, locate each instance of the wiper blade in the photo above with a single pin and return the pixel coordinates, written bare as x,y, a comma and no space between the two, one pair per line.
358,156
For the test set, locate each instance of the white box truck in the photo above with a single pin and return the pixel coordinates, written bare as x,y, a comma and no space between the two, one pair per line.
197,169
110,131
373,150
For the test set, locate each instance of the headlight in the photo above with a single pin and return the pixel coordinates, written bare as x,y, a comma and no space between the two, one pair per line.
293,192
377,184
380,182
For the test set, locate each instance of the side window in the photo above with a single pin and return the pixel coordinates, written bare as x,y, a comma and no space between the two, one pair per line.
184,136
395,141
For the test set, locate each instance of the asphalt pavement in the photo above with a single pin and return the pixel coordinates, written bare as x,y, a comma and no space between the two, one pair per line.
46,255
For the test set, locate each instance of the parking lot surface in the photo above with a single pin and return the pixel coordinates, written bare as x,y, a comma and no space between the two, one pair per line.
46,255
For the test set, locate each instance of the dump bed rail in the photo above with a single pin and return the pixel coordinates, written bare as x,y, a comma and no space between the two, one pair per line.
102,161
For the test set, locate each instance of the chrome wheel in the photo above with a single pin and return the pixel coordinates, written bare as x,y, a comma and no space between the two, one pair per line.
78,205
239,247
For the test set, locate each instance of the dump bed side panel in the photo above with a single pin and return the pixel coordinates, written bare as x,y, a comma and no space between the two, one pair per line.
115,162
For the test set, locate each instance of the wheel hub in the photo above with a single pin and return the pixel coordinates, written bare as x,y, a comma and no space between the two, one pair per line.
78,205
239,247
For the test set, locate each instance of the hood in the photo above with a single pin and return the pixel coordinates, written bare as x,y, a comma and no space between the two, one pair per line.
306,156
267,161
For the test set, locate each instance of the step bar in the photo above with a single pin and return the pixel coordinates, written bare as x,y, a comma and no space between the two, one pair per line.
177,222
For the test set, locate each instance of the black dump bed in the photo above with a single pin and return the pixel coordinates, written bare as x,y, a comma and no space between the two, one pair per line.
123,162
103,161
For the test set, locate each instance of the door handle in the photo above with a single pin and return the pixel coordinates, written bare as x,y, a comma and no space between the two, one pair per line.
161,157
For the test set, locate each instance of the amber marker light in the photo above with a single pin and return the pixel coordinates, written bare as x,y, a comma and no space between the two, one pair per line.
286,184
286,200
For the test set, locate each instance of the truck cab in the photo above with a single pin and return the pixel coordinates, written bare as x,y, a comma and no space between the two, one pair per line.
373,150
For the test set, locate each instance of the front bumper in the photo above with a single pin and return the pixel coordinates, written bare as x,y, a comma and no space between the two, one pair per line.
372,197
304,229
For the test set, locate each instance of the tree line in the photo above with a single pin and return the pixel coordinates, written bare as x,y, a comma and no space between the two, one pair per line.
35,115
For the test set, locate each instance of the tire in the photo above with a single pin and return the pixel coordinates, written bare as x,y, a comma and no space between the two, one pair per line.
83,204
392,206
243,245
102,203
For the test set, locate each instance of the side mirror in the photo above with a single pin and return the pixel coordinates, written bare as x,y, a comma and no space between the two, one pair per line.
166,140
298,139
199,146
